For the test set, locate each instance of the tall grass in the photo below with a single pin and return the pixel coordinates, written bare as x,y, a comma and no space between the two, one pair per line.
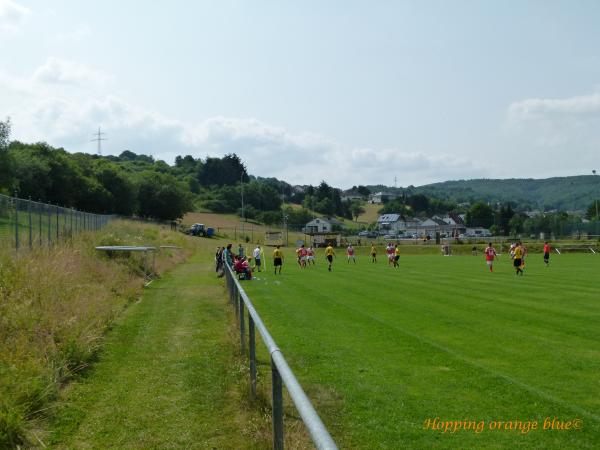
55,306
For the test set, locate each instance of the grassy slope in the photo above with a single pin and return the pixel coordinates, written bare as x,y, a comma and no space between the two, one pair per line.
371,213
225,224
442,337
52,327
166,375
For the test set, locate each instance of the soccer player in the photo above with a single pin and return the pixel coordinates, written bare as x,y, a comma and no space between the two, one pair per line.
490,254
303,254
518,259
390,253
277,259
511,250
256,255
350,253
310,256
546,253
396,255
329,254
373,253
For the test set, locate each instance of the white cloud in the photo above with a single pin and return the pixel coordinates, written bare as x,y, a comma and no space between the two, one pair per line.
12,16
60,71
77,35
550,131
545,108
68,116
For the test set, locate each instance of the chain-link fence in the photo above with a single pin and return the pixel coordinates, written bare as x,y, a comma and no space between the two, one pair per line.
25,223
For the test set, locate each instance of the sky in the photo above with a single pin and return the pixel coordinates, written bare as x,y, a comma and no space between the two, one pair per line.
350,92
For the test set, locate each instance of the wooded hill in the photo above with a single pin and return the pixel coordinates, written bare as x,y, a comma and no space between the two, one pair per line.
560,193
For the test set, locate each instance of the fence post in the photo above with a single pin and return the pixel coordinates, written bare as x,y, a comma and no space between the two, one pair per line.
39,211
30,224
49,225
252,345
16,222
57,225
242,328
277,398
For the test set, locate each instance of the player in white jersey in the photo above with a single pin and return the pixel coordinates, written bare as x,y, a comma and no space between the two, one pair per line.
310,256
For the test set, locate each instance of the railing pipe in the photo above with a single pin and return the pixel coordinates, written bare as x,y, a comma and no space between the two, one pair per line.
281,371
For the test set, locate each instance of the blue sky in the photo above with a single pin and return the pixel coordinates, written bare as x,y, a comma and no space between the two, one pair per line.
350,92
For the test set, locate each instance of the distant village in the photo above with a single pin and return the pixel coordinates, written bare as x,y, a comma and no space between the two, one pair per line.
398,226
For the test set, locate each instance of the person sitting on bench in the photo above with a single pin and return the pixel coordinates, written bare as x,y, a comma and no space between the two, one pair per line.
241,267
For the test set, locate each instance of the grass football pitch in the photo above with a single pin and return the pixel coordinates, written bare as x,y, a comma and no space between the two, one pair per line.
440,353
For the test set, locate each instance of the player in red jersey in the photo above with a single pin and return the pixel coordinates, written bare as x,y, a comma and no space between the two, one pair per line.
301,252
389,250
310,256
547,253
490,254
350,254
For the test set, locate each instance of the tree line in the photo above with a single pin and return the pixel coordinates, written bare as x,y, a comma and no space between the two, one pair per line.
134,184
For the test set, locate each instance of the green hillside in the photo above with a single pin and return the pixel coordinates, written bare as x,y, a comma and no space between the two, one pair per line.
564,193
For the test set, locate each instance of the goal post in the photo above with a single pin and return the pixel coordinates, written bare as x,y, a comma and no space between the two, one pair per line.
273,238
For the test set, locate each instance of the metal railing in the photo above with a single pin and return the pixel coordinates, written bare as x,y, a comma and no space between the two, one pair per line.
280,371
25,223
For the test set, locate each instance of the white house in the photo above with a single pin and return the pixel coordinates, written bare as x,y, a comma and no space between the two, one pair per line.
449,225
396,223
321,225
381,197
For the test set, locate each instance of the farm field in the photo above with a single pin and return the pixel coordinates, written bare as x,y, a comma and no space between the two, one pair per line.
232,228
382,350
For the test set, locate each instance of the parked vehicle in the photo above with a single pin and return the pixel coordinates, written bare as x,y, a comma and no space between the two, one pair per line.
198,229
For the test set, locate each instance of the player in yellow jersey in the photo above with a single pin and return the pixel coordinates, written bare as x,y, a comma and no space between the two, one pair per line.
329,254
518,259
373,253
277,259
396,255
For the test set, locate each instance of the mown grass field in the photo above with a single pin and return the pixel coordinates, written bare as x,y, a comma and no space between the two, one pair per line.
441,337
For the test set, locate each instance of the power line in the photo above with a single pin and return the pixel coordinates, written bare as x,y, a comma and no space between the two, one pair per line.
98,138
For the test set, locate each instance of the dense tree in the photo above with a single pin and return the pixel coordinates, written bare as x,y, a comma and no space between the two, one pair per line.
418,202
362,190
504,216
515,224
396,206
161,196
186,164
480,215
356,209
6,164
593,210
228,170
122,190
